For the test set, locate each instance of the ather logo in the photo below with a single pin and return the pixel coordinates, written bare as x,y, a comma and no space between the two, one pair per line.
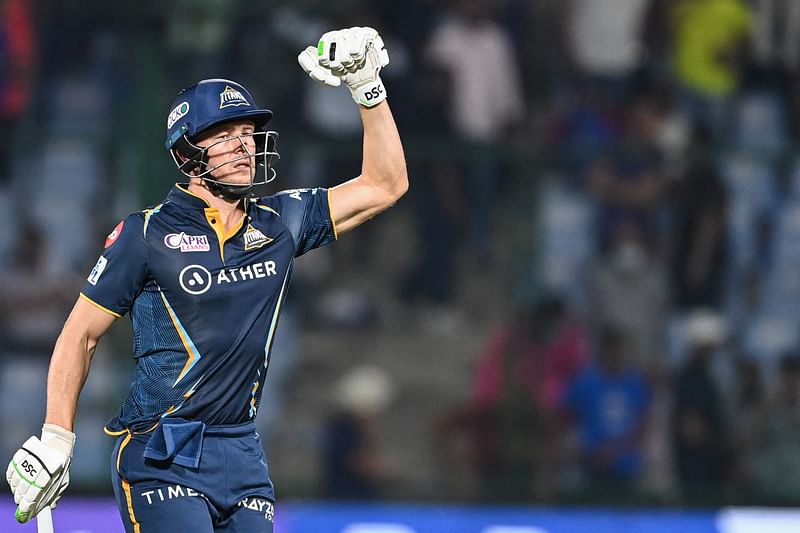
195,279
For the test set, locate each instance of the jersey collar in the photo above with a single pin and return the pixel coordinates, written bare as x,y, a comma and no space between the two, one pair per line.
180,196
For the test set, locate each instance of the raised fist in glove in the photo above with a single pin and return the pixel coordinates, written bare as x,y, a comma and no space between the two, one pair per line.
39,472
353,55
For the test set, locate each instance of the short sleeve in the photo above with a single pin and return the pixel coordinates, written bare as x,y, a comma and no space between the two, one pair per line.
307,214
119,274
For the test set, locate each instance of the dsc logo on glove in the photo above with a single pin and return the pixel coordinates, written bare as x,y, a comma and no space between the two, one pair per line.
373,93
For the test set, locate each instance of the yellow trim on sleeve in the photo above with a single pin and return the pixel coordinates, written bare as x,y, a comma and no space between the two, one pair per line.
126,488
333,220
97,305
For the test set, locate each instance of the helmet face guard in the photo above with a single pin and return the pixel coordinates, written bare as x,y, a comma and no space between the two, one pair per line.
205,105
192,161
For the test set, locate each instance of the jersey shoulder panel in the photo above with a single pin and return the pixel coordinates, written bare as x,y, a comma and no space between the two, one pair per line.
306,213
121,269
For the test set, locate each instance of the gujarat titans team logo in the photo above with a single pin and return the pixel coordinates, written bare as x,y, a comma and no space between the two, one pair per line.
230,97
195,279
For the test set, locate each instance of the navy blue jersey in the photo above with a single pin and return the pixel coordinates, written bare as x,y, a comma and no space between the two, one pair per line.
204,305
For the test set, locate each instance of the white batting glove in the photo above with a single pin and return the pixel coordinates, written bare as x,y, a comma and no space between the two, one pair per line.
353,55
39,471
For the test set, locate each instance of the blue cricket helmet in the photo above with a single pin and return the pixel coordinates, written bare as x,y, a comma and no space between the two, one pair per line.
208,103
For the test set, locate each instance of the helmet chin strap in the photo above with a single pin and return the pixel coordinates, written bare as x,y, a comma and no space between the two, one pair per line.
227,190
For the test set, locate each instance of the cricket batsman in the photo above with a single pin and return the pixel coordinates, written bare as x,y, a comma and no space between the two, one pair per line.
203,276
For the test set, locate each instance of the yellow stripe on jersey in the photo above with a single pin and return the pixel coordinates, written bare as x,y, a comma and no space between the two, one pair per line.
148,213
191,349
267,208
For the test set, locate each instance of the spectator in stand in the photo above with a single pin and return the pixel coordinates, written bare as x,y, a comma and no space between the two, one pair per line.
701,233
545,55
520,380
610,402
703,446
776,39
438,201
709,44
17,62
777,469
606,41
627,182
486,103
629,290
750,424
354,466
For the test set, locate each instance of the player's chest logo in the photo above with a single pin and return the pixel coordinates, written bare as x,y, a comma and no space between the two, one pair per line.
187,243
198,279
254,239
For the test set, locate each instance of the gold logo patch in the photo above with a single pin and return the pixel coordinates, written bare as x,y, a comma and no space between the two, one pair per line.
254,239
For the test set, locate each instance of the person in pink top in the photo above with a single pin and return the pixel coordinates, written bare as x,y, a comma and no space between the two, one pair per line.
539,351
513,417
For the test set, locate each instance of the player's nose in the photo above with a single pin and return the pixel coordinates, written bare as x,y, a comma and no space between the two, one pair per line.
240,147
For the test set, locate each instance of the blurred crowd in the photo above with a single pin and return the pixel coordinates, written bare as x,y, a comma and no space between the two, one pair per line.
618,178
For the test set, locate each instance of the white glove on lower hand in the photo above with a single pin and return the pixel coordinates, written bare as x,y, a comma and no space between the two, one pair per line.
353,55
39,471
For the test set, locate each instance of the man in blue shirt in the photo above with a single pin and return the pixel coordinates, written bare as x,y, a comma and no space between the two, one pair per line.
203,276
610,401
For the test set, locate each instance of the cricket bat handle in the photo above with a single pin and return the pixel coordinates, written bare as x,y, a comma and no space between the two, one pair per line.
44,521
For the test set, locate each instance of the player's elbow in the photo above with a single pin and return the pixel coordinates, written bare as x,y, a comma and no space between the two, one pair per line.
388,186
400,184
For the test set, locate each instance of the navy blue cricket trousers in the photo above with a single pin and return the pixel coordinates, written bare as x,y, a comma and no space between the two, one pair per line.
229,490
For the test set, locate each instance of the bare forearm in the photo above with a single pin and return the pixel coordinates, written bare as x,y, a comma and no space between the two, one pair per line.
71,358
384,163
69,367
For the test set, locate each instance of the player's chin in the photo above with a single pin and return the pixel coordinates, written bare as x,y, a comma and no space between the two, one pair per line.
238,176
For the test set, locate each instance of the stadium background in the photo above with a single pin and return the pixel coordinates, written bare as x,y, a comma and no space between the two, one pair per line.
588,300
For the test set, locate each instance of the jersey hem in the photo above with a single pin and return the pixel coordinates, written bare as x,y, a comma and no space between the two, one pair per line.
333,220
